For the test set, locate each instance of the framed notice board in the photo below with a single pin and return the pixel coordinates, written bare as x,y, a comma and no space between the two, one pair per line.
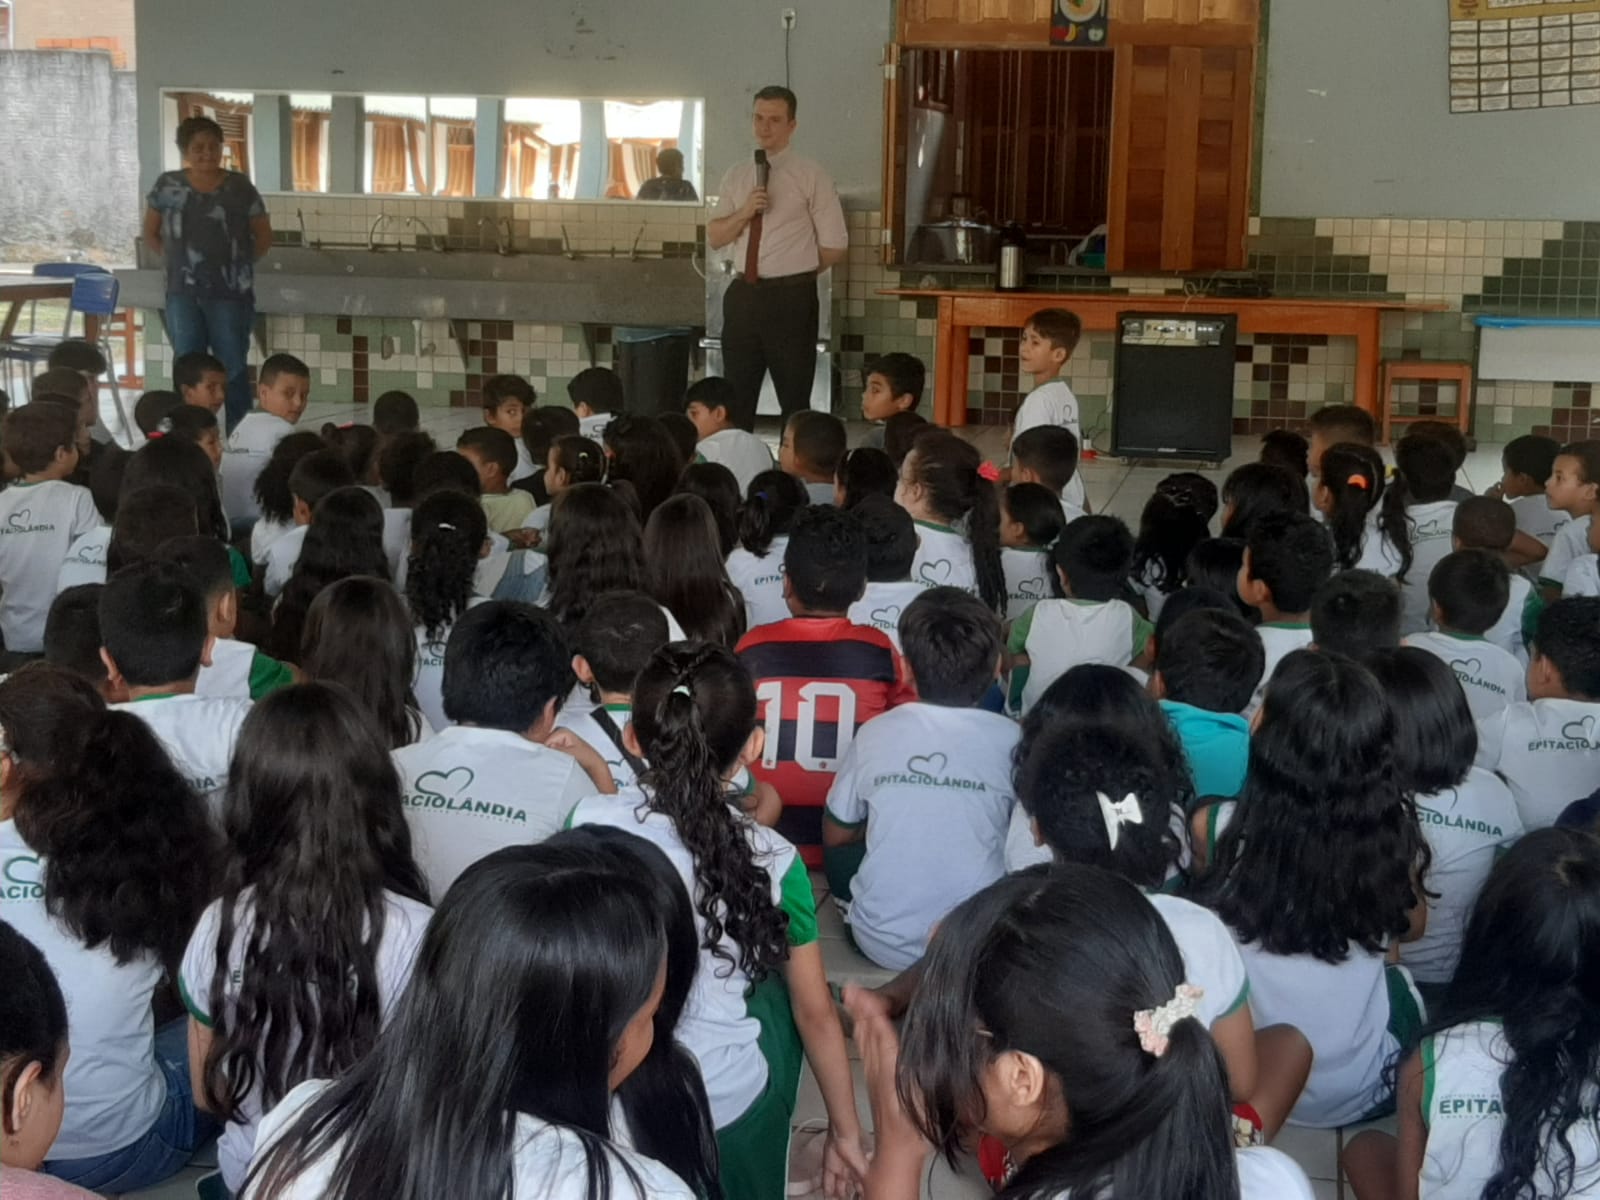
1516,54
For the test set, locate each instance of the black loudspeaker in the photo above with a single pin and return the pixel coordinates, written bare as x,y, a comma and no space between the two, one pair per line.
1173,393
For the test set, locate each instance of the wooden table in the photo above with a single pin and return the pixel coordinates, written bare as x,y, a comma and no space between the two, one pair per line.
17,290
962,311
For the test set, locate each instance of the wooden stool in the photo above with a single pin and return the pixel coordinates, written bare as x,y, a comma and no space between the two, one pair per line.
1424,371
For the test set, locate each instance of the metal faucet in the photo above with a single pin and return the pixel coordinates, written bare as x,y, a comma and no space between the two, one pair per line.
502,234
372,234
566,241
433,241
633,254
300,216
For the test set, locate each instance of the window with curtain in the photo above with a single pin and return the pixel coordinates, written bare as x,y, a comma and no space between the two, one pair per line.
310,148
455,156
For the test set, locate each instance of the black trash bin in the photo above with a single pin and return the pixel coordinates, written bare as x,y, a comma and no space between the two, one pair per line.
653,365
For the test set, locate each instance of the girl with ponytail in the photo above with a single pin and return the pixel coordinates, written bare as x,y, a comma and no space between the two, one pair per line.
1054,1015
760,996
950,492
772,502
1367,534
449,538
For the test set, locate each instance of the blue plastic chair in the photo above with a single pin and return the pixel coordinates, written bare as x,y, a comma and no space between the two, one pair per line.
94,294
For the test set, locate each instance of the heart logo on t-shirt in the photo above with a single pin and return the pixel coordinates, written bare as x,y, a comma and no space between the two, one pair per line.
451,783
888,615
936,571
1032,588
20,519
1466,667
434,650
932,765
1581,729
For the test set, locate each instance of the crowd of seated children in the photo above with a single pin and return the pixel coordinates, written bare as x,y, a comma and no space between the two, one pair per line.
1484,523
1468,592
709,404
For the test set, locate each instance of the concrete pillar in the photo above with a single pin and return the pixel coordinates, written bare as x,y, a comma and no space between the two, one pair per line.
594,157
490,141
346,146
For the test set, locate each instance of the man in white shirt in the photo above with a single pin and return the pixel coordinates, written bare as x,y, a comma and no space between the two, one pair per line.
781,215
709,407
282,390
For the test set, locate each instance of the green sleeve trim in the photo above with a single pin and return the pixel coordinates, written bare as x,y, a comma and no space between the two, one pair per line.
241,568
1142,631
800,903
1212,815
267,675
1020,628
1532,610
191,1004
567,824
1547,582
1429,1076
1239,1001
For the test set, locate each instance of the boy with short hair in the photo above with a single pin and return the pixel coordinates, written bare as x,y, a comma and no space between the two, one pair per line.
894,384
891,537
1048,455
1030,522
283,388
899,432
597,396
1468,590
502,774
237,669
820,663
86,557
709,405
1484,523
72,638
1547,748
1333,425
1573,488
1287,557
493,454
1088,621
924,790
1526,464
610,646
813,443
1208,665
1287,449
201,379
393,413
41,515
1356,613
154,638
318,474
84,357
507,400
541,429
1048,340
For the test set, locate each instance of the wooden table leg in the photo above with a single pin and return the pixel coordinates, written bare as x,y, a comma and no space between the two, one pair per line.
960,336
942,382
10,324
1369,344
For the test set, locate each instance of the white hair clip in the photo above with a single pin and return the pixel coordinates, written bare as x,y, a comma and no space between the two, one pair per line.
447,525
1124,812
683,690
1154,1025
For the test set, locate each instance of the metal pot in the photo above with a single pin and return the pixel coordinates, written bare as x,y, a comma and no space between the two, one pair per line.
964,242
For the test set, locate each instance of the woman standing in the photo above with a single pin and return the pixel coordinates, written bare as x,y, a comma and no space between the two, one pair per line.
210,226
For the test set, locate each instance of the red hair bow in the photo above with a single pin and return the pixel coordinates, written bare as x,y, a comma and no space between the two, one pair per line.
990,472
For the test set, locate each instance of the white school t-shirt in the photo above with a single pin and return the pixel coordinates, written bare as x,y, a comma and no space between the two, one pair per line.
1378,553
229,672
404,921
1583,577
1461,1071
525,464
262,534
1465,827
427,685
760,582
1507,631
199,733
1028,574
1432,528
1053,403
1491,677
1062,634
1570,543
932,785
396,539
547,1160
1279,639
470,791
250,444
38,524
281,558
1211,958
594,425
580,719
743,453
86,559
715,1027
944,558
1547,750
882,605
1536,518
114,1087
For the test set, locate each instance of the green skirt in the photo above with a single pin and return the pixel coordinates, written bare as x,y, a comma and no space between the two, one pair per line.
754,1150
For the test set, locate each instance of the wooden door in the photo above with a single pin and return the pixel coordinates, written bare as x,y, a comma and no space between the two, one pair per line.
968,23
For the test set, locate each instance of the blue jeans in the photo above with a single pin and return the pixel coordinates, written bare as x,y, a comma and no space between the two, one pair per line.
168,1144
223,327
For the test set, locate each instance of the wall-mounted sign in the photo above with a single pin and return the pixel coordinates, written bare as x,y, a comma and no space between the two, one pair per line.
1515,54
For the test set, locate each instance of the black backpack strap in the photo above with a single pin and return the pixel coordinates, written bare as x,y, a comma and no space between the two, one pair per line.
606,722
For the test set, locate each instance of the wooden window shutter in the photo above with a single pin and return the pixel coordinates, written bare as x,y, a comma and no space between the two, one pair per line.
967,23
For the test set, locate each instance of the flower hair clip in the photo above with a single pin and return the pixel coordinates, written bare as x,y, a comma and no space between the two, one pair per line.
989,471
1357,481
1154,1025
1124,812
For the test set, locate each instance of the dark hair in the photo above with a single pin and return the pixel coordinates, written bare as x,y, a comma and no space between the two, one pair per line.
1356,613
1057,963
189,369
1214,564
1472,589
542,426
318,475
477,1031
497,389
865,472
493,446
685,572
1444,433
191,127
153,623
595,545
900,433
1569,637
617,636
77,354
1531,455
1345,423
1050,451
281,364
271,488
774,92
33,1017
580,458
205,560
826,559
357,445
644,454
72,632
1587,454
184,465
952,644
1484,523
598,387
345,538
1060,328
1169,528
33,433
145,519
719,488
358,634
694,708
1292,555
105,480
316,835
1212,659
711,393
1095,554
1287,449
1353,475
682,432
125,842
150,409
904,373
189,423
447,535
503,665
395,412
1324,850
891,538
772,501
1256,489
1187,600
947,469
398,461
1424,472
1435,739
445,470
1038,510
818,439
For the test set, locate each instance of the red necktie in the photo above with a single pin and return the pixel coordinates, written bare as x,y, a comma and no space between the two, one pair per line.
752,250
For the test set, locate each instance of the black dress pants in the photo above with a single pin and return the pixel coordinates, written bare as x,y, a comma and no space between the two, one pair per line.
770,325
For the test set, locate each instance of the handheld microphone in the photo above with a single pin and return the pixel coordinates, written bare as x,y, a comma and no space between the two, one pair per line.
763,168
